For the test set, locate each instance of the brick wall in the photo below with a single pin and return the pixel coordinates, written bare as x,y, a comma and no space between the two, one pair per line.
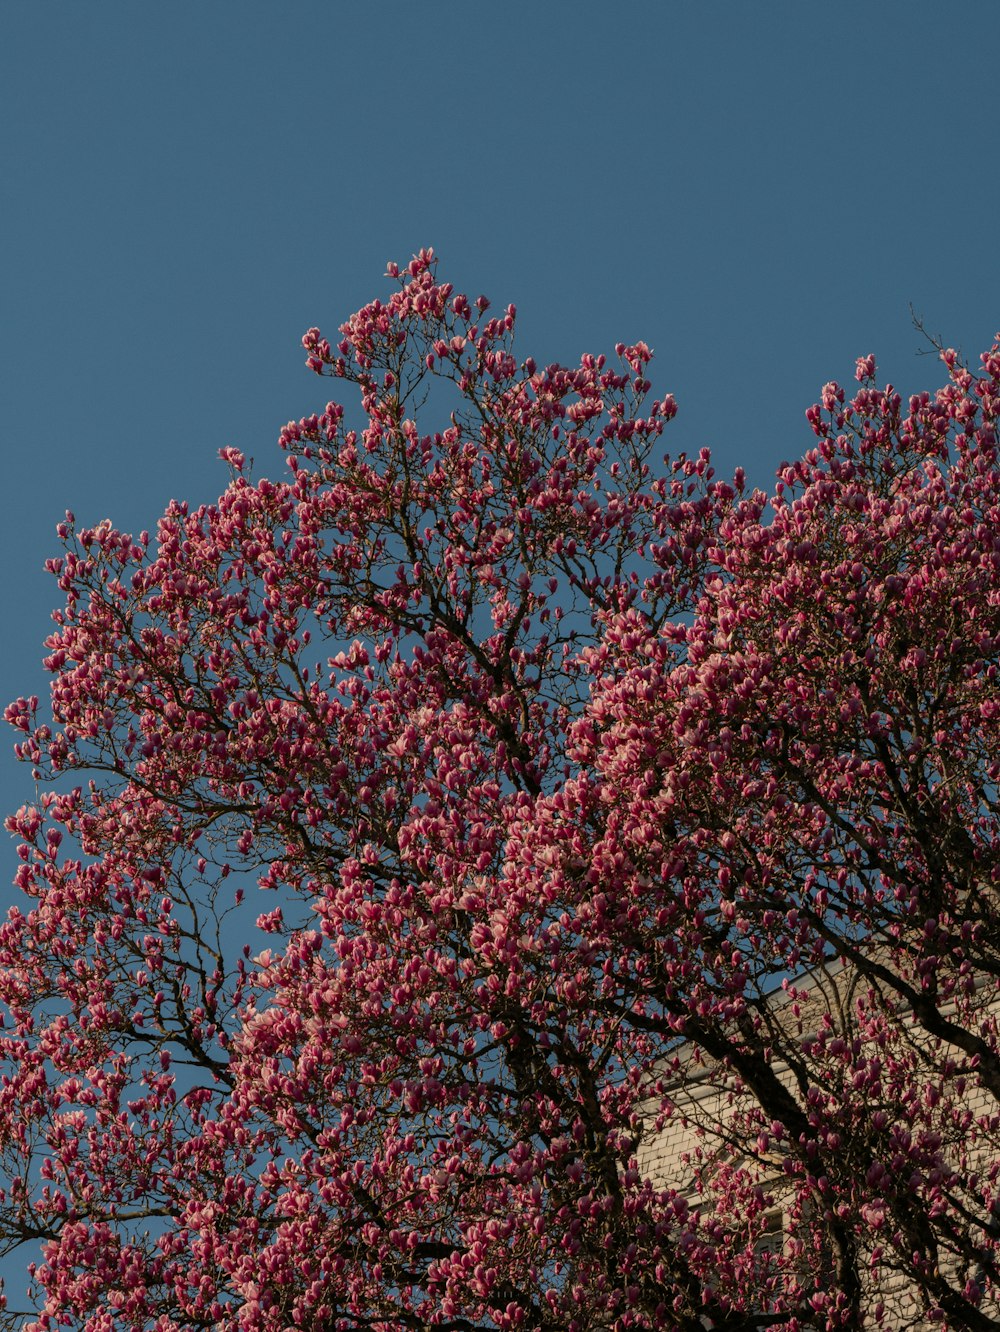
701,1104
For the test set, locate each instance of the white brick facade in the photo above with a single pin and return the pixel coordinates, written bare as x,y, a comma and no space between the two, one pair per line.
700,1103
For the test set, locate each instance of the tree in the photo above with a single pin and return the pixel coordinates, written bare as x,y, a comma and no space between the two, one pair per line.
555,780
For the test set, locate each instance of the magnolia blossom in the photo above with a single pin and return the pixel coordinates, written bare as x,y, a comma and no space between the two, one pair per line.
426,834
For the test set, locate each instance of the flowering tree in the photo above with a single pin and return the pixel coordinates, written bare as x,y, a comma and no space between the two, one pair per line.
558,782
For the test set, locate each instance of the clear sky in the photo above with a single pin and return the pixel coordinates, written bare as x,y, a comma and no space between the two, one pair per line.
757,190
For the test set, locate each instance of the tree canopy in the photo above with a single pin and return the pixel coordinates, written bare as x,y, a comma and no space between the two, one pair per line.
416,827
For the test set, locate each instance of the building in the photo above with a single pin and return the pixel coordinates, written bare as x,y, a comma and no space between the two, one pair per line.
874,1091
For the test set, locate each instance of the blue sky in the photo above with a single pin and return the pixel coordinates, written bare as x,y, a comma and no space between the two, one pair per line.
758,191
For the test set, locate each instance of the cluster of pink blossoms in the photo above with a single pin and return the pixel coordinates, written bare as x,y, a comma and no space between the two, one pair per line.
450,809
